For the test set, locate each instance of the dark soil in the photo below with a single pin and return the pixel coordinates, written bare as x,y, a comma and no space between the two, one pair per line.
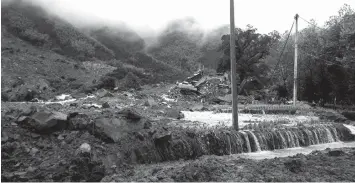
320,166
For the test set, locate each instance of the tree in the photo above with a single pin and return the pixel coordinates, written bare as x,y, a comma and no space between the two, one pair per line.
326,59
251,48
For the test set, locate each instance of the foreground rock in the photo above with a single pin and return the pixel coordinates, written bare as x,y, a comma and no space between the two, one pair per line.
104,93
44,121
174,113
113,129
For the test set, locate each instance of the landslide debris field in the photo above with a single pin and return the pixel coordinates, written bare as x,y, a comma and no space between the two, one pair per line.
88,104
147,136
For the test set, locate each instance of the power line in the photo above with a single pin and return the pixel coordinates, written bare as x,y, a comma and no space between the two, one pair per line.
310,23
283,49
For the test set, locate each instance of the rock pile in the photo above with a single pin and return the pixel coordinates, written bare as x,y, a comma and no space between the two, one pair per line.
201,88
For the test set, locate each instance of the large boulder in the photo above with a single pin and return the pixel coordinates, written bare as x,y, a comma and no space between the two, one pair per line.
113,129
45,121
150,102
349,115
130,114
127,122
174,113
336,152
104,93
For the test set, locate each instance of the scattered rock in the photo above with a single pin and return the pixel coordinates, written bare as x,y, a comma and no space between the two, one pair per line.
104,93
84,167
60,137
79,95
349,115
227,98
73,104
28,111
84,148
336,152
295,165
162,137
33,151
34,135
4,137
139,135
130,114
187,87
79,122
72,114
112,129
35,100
174,113
88,106
44,121
22,119
199,107
105,105
147,125
54,106
31,169
150,102
181,115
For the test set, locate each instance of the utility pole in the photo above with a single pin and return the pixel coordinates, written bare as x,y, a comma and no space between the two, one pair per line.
295,64
233,69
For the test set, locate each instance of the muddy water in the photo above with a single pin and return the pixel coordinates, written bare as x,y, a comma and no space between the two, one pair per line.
293,151
210,118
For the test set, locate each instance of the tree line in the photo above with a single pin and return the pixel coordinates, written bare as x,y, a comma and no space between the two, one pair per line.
326,59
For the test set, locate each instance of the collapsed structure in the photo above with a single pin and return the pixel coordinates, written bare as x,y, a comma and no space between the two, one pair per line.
207,88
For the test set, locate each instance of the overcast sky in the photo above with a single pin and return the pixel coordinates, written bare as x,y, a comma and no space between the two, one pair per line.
152,15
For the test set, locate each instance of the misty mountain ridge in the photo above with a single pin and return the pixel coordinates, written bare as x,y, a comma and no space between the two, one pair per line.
37,46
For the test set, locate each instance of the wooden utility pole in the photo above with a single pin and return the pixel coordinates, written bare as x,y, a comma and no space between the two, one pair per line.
295,64
233,69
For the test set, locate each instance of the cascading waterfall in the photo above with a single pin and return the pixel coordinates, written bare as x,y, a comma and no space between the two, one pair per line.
256,141
329,136
246,140
224,142
287,138
334,132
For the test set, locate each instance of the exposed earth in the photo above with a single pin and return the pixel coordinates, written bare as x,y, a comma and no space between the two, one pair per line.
88,104
125,129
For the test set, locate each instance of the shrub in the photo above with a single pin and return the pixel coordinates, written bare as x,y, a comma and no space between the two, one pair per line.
130,81
107,82
34,37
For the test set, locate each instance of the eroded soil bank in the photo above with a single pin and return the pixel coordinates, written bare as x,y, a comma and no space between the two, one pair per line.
319,166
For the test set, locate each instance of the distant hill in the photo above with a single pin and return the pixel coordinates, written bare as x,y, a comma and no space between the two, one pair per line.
178,45
35,26
44,55
184,45
121,40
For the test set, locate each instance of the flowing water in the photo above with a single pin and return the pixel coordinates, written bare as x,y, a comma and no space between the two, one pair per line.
293,151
